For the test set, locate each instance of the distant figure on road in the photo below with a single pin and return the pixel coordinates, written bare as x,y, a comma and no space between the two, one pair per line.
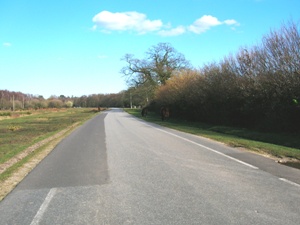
144,111
165,113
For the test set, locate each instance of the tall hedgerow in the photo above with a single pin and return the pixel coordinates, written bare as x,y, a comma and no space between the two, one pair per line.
258,87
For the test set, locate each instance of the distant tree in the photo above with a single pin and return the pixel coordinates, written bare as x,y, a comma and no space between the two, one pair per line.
160,62
53,97
62,98
18,105
92,100
55,103
69,104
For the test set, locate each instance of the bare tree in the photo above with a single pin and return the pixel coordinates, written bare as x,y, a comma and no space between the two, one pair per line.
161,61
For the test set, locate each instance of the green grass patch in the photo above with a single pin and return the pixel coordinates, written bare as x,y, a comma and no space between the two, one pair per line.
16,134
5,113
276,144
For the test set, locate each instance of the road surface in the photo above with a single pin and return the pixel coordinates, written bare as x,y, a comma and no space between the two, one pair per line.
116,169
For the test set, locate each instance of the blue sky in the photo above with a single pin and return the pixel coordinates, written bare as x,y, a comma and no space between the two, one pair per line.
74,47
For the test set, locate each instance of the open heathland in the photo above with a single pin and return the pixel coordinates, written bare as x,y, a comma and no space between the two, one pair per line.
22,129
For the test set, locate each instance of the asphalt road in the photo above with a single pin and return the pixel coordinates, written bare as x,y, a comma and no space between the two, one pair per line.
116,169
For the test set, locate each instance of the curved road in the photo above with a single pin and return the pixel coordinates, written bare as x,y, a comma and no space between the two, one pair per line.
116,169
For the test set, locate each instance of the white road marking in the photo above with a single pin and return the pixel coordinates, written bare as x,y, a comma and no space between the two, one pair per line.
289,182
39,215
203,146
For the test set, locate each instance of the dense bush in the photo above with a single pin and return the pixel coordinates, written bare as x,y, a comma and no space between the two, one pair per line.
259,87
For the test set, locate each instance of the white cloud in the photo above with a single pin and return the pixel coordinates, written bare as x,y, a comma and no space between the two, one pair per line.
204,23
133,21
7,44
173,32
231,22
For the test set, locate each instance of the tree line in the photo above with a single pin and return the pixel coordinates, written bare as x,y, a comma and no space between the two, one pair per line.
10,100
258,87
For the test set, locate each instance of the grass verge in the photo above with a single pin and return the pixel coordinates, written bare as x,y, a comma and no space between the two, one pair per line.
279,145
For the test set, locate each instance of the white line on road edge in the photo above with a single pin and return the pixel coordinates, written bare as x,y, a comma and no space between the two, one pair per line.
44,206
289,182
203,146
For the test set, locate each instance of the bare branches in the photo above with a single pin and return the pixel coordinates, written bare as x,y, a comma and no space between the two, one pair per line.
161,60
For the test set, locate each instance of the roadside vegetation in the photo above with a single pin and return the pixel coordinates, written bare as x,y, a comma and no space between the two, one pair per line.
256,88
279,145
